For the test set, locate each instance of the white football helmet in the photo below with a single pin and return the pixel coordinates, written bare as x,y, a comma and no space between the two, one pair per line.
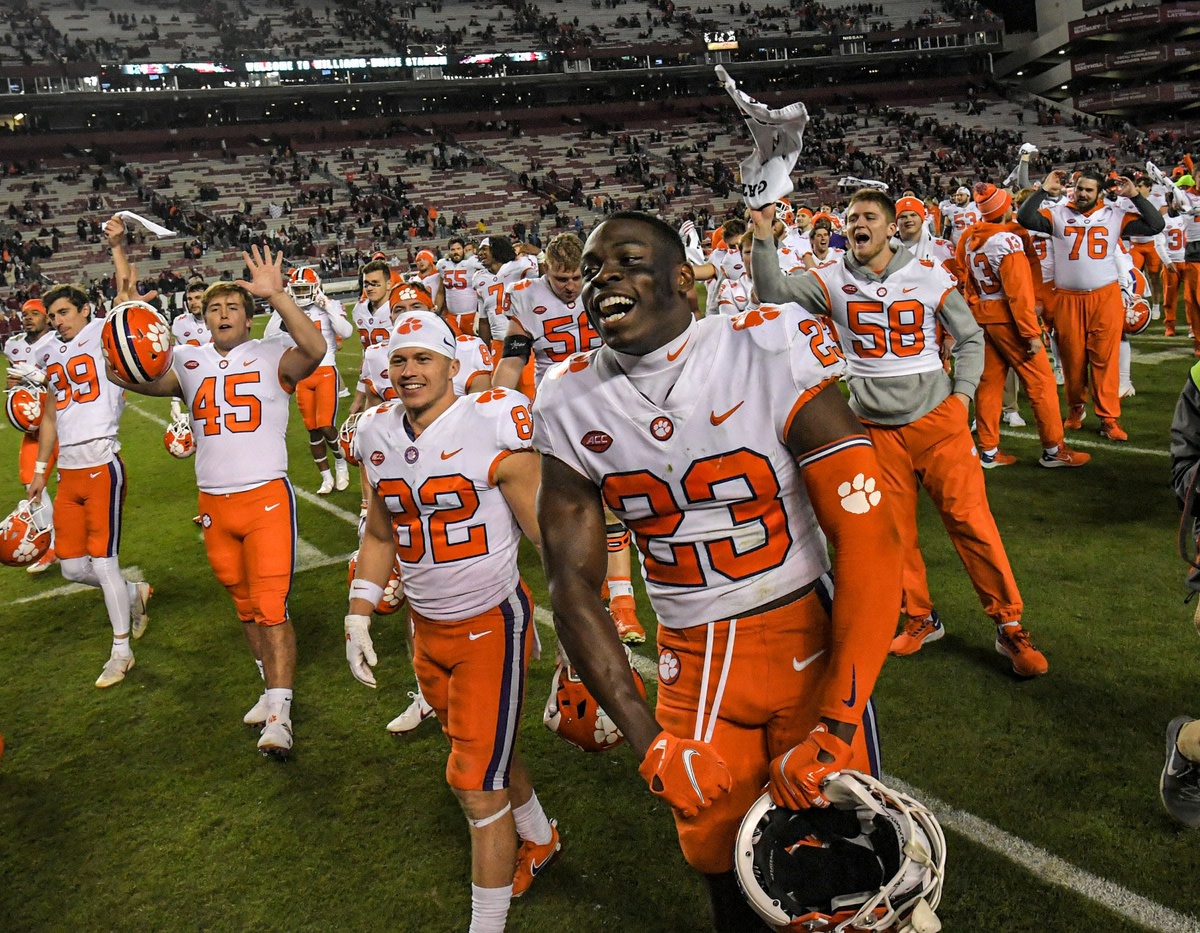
303,285
25,534
178,439
346,438
874,860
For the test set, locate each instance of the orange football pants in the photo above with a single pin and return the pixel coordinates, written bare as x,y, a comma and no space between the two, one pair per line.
316,397
473,675
27,459
937,452
463,325
1089,325
1191,298
87,510
749,687
1146,258
250,538
1005,349
1171,278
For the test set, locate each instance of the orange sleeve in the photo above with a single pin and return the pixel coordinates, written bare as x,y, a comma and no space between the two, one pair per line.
1018,286
842,479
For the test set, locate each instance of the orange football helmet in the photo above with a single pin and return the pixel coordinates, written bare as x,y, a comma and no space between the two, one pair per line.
136,342
346,438
23,405
573,713
25,535
393,593
1137,308
303,285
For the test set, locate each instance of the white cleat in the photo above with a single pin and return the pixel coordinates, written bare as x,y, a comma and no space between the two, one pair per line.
43,563
417,713
341,475
276,738
1013,419
114,671
1128,391
257,714
138,599
326,486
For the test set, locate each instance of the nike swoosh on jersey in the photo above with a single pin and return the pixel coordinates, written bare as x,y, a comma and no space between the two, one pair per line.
672,357
447,456
911,288
801,665
471,636
248,362
720,419
268,508
853,688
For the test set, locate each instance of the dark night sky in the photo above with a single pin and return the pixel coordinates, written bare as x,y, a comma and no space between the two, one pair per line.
1019,15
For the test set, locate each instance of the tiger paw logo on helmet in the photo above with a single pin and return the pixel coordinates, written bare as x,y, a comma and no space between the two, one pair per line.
23,405
25,535
136,342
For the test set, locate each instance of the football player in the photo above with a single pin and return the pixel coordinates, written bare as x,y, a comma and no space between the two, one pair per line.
456,298
21,350
317,395
887,307
731,486
547,321
237,392
189,327
999,260
1084,235
81,417
453,485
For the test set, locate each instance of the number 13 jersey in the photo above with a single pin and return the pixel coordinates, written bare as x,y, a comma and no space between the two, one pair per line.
704,480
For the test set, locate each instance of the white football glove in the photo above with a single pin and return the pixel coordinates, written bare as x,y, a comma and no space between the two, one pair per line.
176,408
778,138
1028,149
360,653
27,373
1157,176
691,243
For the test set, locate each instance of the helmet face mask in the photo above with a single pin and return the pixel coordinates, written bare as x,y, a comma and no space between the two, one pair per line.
874,860
178,439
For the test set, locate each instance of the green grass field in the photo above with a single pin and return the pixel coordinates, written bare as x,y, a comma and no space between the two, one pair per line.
146,806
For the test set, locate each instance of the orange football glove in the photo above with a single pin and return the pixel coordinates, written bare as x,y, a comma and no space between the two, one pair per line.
797,775
687,774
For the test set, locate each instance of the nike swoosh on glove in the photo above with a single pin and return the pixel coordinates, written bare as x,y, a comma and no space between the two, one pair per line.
797,775
691,243
360,652
687,774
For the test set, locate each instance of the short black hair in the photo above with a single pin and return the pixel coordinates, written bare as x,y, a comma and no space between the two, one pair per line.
666,236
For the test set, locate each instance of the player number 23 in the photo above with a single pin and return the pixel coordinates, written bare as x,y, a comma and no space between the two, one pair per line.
678,563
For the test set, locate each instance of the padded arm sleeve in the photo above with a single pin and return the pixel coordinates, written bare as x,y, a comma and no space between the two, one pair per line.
843,480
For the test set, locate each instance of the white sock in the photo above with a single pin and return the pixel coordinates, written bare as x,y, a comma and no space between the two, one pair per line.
325,474
489,908
532,823
1005,627
120,648
619,588
279,702
1123,364
1051,451
116,592
992,452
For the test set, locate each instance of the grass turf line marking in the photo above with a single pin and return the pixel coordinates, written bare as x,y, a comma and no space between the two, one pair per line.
1047,867
1119,900
1074,441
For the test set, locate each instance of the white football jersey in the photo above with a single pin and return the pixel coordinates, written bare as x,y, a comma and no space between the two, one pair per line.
87,406
373,326
960,217
887,328
705,482
17,349
456,538
558,329
932,249
735,296
238,411
1175,237
473,358
456,280
190,330
1084,244
492,290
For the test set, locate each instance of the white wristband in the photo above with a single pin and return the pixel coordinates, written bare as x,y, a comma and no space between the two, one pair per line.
39,468
365,589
